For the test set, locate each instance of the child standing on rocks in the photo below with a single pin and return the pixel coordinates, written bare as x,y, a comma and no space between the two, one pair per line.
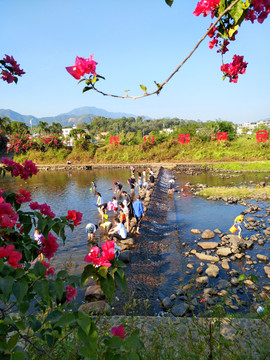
238,222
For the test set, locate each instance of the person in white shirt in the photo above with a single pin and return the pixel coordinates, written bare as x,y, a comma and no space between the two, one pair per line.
119,231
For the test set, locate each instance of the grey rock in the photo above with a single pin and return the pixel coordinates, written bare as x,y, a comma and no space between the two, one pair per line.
225,264
166,302
234,281
267,271
203,280
125,256
195,231
94,292
180,309
97,308
208,245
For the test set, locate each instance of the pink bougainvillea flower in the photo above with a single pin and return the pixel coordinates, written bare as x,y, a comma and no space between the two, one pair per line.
74,216
49,246
92,257
108,250
119,331
75,72
82,66
50,270
24,171
7,76
71,293
43,208
232,70
8,217
23,197
206,6
13,256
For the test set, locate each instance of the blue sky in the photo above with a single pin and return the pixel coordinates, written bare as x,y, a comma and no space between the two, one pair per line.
134,42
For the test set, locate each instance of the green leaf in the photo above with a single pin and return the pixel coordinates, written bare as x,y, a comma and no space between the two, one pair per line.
169,2
237,11
20,289
120,280
39,269
132,341
84,321
90,340
13,341
41,287
54,316
115,342
66,319
36,325
6,285
23,306
241,277
86,88
103,271
17,355
107,286
143,87
59,288
88,271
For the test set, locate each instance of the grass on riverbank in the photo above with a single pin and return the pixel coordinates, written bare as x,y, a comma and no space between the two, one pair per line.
243,166
241,149
241,192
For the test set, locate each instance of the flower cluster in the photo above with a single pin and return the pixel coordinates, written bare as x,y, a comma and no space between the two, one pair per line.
50,270
75,217
10,68
21,143
206,6
13,256
259,11
232,70
43,208
119,331
23,197
71,293
26,170
49,246
8,217
106,255
82,66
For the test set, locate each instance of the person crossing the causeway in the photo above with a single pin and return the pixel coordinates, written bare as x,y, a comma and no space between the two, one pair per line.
238,222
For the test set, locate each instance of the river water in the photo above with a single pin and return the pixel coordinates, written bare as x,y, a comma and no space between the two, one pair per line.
158,264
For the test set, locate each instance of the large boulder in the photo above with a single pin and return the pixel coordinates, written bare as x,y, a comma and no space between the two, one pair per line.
96,308
237,244
180,309
208,234
94,292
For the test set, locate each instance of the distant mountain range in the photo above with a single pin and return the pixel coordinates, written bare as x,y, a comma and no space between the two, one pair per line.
82,114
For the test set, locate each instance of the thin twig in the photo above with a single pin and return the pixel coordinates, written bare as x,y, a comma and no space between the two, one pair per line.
178,68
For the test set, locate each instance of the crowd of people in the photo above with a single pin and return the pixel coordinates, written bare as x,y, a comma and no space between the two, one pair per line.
125,209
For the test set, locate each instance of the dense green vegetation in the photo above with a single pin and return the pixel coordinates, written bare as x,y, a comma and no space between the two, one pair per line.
241,149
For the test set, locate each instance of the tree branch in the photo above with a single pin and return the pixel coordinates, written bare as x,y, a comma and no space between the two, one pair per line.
178,68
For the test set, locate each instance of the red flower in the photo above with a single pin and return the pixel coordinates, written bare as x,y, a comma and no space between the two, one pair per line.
13,256
8,217
71,293
238,66
202,300
50,270
24,196
92,257
82,67
43,208
205,6
108,250
119,331
74,216
49,246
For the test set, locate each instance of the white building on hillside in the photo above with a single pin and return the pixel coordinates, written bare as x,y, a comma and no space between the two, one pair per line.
66,131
